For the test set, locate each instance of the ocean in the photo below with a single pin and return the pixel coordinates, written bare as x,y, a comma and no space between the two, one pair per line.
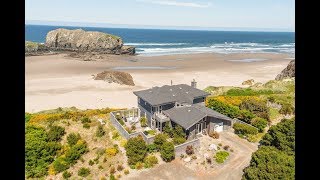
153,42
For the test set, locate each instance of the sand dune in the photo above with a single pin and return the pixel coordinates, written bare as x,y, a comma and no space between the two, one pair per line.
58,81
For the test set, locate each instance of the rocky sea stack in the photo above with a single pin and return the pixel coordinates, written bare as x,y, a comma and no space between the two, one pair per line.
82,41
287,72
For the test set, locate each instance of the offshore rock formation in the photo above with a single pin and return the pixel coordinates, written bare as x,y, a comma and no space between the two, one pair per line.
82,42
287,72
115,77
33,48
249,82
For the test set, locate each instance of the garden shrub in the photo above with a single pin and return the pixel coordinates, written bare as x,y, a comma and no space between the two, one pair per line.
168,129
123,143
86,126
256,107
139,165
112,170
150,161
247,92
281,136
270,163
100,131
73,138
91,162
179,140
126,171
27,117
226,147
167,151
83,172
151,148
178,132
115,134
159,139
121,122
246,115
112,151
189,150
259,123
119,167
133,127
39,153
66,175
223,108
55,133
209,160
143,122
128,129
244,129
221,156
286,109
136,150
85,120
112,177
214,135
75,152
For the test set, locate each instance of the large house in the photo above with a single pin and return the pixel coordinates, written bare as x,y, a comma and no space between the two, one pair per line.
183,105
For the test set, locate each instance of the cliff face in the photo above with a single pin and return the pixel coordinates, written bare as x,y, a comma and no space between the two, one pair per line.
287,72
81,41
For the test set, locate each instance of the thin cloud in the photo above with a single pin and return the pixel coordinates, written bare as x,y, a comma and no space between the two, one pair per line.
176,3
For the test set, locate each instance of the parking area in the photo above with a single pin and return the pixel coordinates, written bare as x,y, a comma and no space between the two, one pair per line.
230,169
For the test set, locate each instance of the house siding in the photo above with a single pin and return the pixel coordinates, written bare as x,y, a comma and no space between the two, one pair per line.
145,105
213,121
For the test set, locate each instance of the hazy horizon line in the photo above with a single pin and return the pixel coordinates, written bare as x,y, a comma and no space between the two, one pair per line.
160,27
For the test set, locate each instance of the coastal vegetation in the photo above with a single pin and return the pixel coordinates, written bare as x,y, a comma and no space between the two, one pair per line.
275,158
59,147
259,105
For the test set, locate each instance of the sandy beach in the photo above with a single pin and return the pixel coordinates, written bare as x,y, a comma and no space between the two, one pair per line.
54,81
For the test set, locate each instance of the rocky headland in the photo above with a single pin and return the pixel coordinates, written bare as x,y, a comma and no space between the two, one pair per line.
288,72
80,41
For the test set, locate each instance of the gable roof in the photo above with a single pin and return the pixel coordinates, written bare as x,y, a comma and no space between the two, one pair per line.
187,116
181,93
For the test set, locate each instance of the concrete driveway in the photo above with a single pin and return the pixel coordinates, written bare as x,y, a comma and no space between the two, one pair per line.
231,169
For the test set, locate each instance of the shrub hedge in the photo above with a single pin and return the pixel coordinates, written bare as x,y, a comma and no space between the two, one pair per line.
244,129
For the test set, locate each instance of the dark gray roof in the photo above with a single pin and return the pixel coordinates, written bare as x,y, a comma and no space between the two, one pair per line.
187,116
181,93
211,112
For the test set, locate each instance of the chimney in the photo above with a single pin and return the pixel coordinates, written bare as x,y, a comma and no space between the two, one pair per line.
194,84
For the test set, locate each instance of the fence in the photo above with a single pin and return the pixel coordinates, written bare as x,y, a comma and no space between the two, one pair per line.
239,121
122,131
181,148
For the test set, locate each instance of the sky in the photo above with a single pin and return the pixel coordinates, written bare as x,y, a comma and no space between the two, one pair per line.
177,14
